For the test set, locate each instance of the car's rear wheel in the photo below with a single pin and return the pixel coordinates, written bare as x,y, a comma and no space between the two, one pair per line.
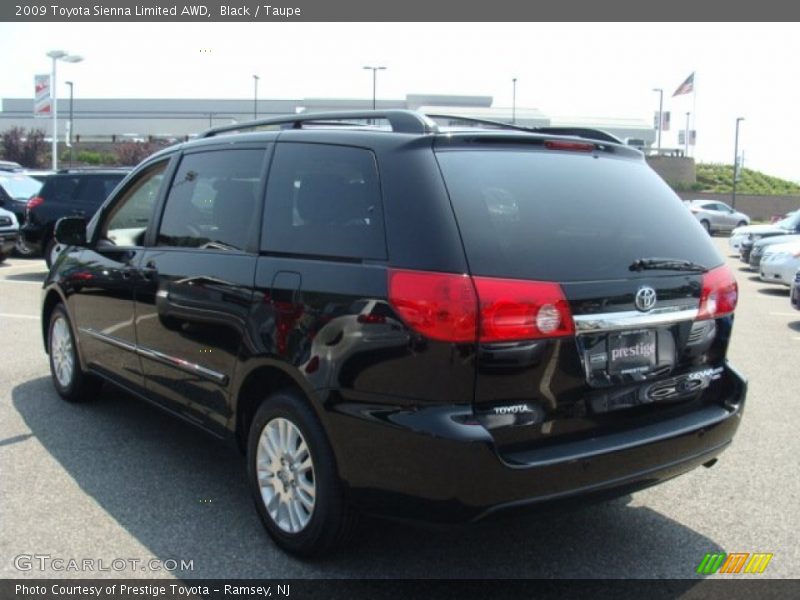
706,225
3,257
70,382
22,249
294,480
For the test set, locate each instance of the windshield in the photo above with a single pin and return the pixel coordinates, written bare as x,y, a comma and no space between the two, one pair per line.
531,214
790,222
20,187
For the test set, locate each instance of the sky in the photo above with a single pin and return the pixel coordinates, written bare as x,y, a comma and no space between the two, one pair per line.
564,69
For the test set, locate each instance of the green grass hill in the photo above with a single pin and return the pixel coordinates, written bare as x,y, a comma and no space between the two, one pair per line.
718,178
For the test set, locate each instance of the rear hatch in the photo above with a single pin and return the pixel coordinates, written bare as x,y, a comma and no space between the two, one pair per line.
583,328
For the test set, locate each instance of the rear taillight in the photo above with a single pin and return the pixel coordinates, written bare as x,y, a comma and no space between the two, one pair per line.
34,202
512,309
720,293
441,306
457,308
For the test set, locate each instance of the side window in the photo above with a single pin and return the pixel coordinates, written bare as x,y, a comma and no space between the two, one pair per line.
94,189
212,202
324,200
128,220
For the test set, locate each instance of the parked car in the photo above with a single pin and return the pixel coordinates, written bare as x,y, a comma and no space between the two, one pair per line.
70,192
9,165
16,188
9,229
717,217
752,233
795,291
759,249
516,328
780,263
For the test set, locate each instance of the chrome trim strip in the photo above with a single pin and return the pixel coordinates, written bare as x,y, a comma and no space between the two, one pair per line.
109,339
183,365
631,319
172,361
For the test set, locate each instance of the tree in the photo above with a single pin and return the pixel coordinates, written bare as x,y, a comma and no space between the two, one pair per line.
26,149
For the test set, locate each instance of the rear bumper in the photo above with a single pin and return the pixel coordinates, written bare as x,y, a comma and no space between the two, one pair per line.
439,465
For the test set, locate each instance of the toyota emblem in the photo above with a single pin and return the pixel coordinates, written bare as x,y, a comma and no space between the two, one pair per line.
645,298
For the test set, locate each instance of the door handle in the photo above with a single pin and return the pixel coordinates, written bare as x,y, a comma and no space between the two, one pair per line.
149,271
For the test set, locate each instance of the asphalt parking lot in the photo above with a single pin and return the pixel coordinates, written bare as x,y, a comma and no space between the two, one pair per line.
116,479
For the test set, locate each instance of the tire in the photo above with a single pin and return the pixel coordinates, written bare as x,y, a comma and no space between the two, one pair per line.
51,252
707,226
72,384
3,257
741,224
22,249
305,531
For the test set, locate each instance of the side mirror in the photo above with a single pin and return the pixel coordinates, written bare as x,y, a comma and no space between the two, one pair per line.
71,231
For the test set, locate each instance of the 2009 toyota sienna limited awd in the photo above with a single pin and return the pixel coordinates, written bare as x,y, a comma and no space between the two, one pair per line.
389,316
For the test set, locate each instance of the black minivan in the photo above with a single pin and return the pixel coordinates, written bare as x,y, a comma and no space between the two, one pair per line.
393,317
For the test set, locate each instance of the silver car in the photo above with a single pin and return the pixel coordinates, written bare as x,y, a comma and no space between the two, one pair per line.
780,264
717,216
9,230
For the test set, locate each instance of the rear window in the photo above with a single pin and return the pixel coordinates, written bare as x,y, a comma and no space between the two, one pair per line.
559,216
20,187
83,189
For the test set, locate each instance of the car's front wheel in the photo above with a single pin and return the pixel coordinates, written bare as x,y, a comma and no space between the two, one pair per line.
294,480
706,225
70,381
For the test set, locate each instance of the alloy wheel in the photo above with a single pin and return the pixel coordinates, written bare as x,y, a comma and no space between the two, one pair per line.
286,475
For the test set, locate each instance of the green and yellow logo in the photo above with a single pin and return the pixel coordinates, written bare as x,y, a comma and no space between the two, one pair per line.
735,563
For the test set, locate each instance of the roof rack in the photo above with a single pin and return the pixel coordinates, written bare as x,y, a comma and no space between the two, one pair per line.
583,132
90,169
401,121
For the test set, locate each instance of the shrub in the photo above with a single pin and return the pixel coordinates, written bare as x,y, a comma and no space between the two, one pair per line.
28,149
132,153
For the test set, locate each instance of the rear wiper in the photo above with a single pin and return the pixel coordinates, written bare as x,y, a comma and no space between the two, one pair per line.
667,264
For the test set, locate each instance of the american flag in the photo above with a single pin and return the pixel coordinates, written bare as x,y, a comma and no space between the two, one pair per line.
687,87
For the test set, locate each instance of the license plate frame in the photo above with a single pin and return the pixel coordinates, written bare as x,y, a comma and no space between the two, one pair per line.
632,351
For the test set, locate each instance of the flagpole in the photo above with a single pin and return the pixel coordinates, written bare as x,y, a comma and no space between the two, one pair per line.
694,107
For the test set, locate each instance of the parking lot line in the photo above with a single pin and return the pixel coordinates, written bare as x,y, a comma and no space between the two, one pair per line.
19,316
39,283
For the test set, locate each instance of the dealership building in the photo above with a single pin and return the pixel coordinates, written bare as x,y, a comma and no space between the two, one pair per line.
146,119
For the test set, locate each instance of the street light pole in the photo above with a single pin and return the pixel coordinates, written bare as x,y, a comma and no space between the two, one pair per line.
735,161
514,101
660,114
57,55
255,96
374,81
69,133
